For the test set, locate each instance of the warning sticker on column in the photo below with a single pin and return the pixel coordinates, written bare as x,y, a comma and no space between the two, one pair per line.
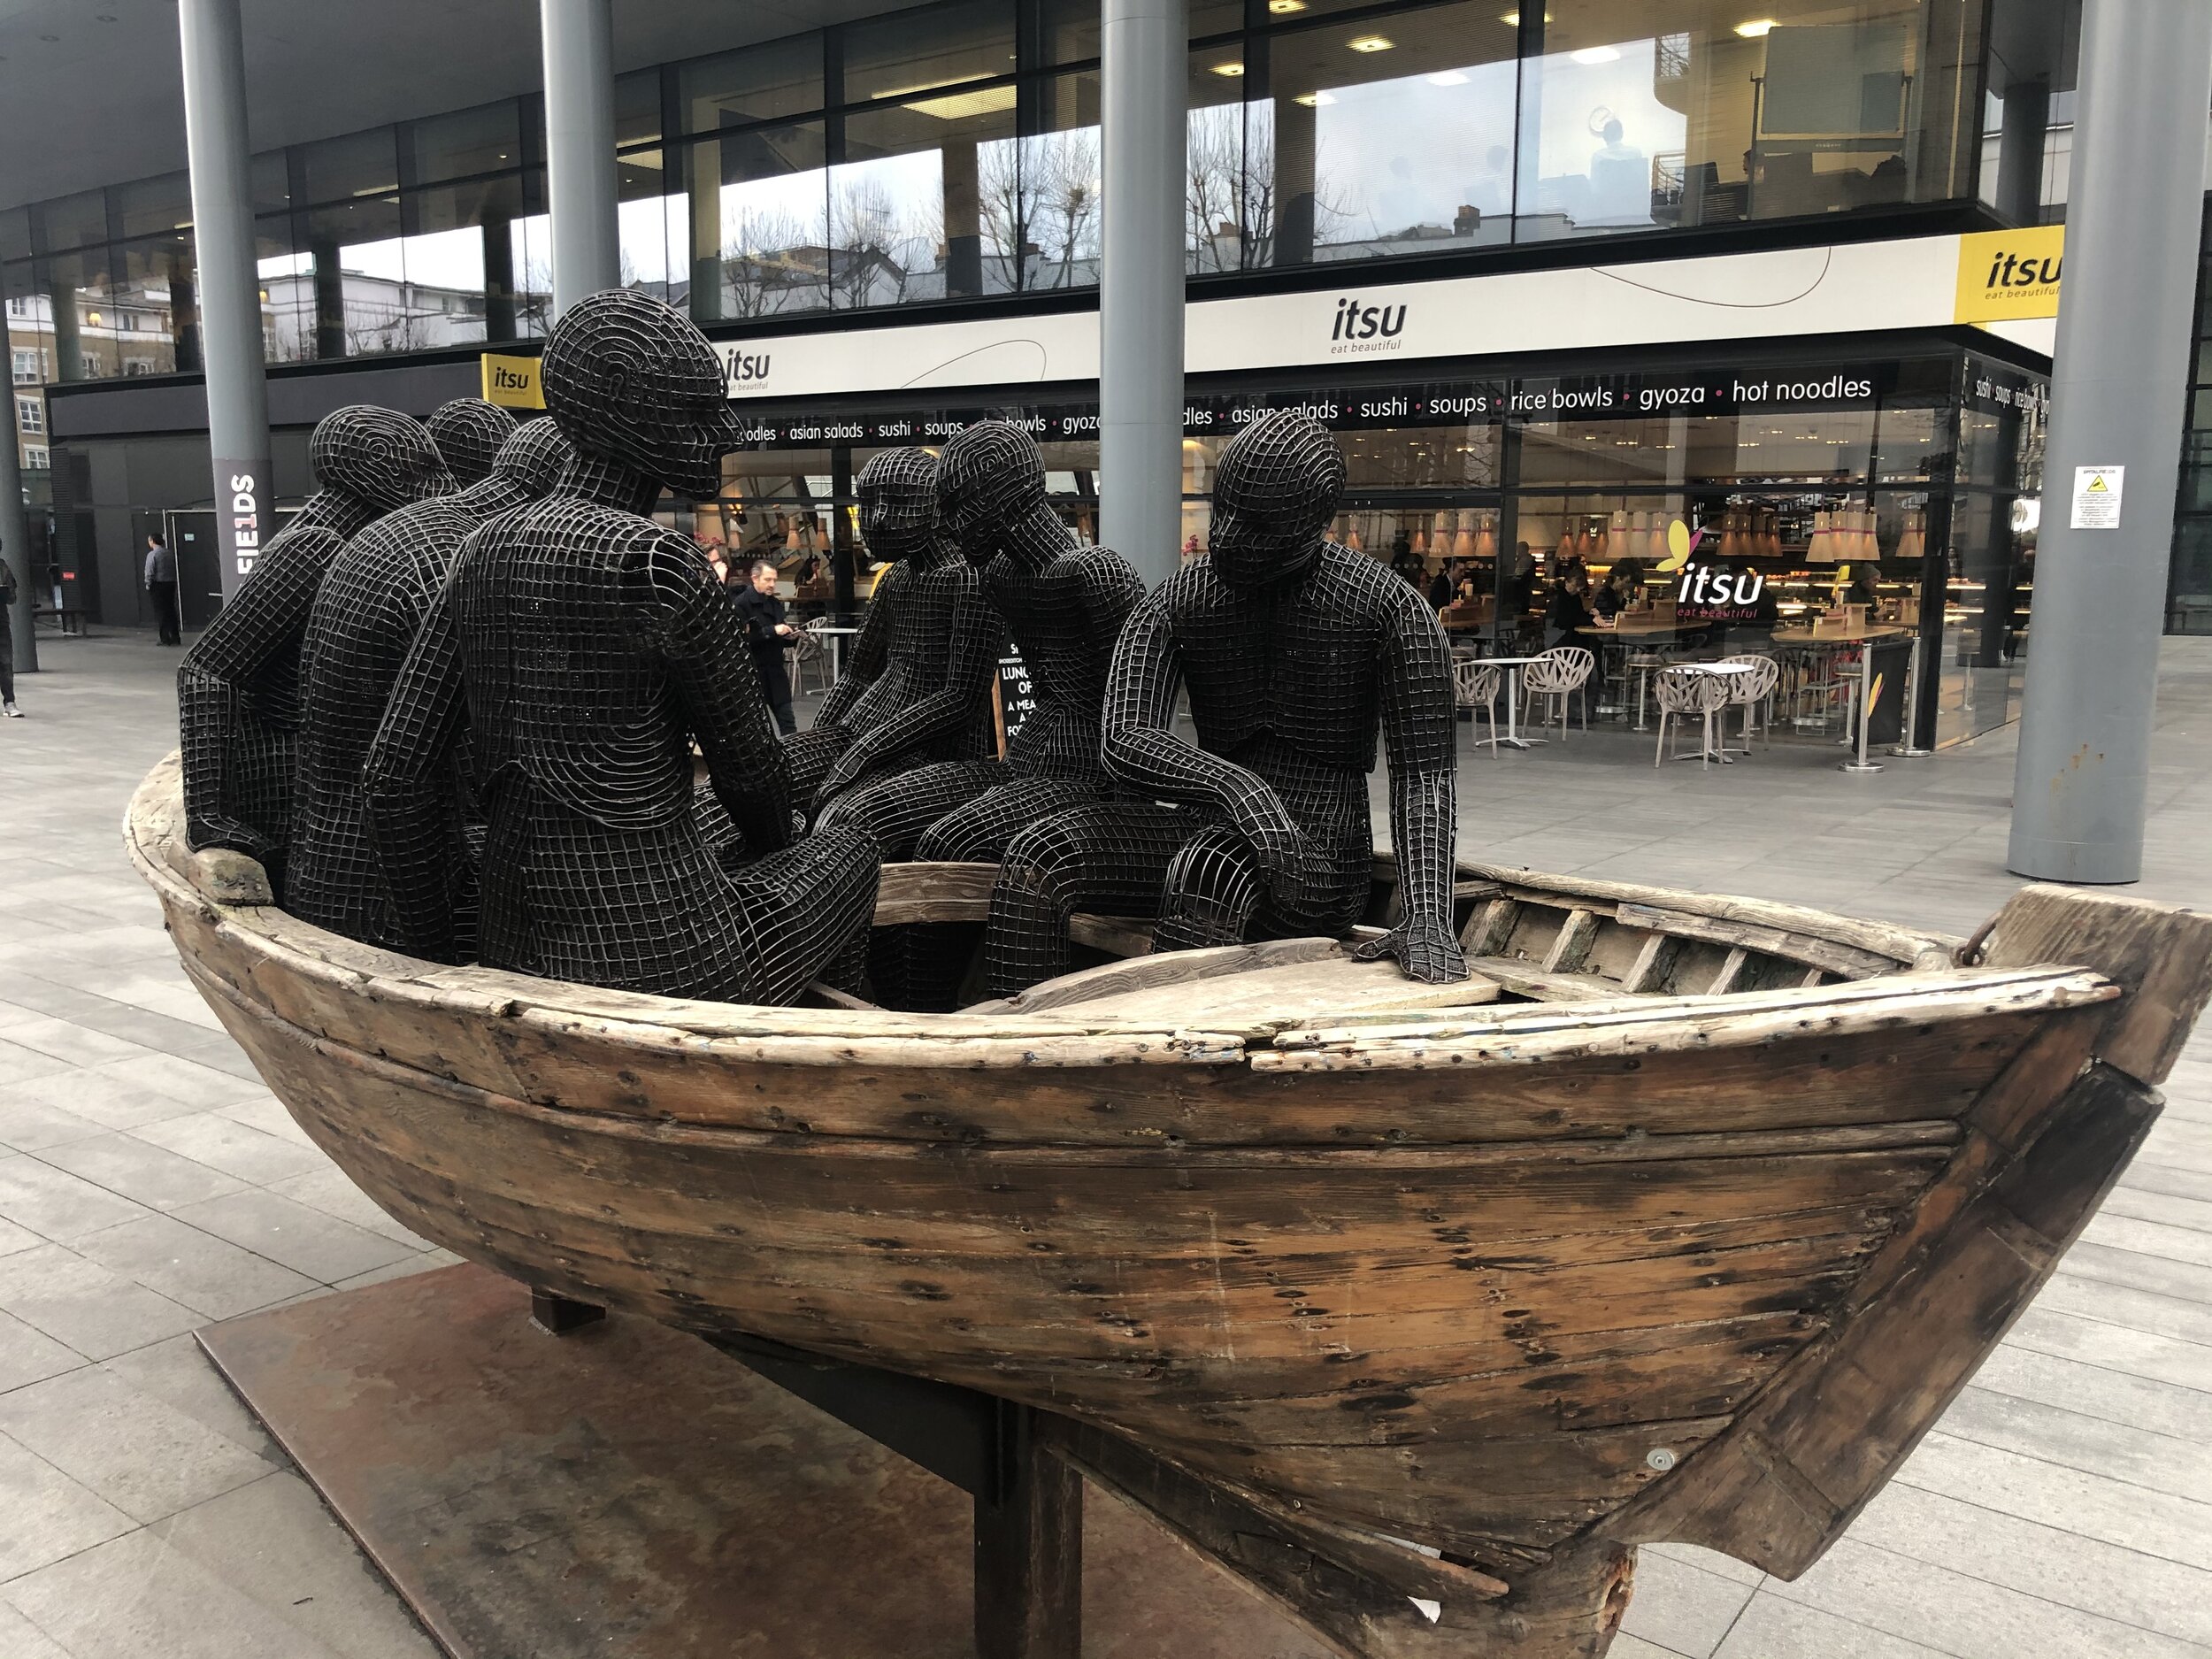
2097,497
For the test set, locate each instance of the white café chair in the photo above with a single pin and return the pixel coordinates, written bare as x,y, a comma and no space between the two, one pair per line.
1686,691
1754,693
1475,686
1557,675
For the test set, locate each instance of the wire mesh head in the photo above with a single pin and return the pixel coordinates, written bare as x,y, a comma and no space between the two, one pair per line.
1276,488
468,432
380,455
535,457
898,502
989,475
630,379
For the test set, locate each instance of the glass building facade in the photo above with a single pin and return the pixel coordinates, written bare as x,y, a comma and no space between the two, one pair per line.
942,162
951,152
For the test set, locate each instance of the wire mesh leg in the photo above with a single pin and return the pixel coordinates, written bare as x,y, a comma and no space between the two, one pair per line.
810,906
1111,857
1212,893
811,753
898,808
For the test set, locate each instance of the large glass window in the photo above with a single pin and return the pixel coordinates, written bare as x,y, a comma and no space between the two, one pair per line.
759,205
769,83
907,52
941,153
929,201
1392,135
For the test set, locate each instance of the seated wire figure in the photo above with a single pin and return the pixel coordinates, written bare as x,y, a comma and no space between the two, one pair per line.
1065,605
238,686
372,601
470,433
916,684
1294,650
588,647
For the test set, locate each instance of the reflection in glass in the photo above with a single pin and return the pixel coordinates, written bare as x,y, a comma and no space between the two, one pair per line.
1389,139
1063,186
931,204
771,82
914,51
758,204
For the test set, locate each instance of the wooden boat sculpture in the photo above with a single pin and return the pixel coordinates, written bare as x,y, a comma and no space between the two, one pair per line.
1419,1317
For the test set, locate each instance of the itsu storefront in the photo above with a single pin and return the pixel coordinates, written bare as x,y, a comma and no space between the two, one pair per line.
1861,458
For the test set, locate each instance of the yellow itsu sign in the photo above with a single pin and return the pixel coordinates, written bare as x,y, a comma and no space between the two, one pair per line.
512,382
2008,274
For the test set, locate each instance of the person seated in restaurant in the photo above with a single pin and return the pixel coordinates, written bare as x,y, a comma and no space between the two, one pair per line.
1517,585
1569,611
1445,588
1613,594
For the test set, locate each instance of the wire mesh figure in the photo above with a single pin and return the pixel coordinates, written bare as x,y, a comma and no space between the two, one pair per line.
238,686
1065,605
589,647
916,684
1293,651
366,612
470,433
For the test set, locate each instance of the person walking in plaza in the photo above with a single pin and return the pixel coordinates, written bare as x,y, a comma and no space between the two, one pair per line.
768,636
161,582
7,643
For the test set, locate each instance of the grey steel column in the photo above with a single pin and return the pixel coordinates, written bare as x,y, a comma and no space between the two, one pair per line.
230,290
15,537
1141,289
579,147
2117,389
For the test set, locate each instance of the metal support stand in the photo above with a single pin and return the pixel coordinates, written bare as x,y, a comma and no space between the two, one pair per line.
556,1314
1908,749
1859,762
1028,1503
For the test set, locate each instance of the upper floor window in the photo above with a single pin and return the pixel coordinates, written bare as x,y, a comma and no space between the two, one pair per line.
30,414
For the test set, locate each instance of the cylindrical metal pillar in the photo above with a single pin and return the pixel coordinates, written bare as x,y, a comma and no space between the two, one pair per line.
2114,446
1143,104
230,291
579,36
15,539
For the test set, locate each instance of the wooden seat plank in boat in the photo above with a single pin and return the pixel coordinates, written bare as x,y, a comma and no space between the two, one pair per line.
1250,990
1692,1243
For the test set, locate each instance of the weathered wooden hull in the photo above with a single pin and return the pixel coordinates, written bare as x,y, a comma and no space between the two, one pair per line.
1524,1285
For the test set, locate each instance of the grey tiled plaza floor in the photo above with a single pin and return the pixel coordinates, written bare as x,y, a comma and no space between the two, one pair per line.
149,1184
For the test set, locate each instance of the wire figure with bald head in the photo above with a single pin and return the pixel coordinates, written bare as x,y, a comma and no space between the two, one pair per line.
1294,653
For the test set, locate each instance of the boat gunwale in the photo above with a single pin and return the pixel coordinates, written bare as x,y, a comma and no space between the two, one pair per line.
812,1036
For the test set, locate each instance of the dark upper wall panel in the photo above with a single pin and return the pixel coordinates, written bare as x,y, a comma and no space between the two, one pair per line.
89,89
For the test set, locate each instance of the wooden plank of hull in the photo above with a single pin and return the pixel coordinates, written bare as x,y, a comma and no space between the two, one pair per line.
1926,1070
2044,1144
1161,1265
2162,955
1901,945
